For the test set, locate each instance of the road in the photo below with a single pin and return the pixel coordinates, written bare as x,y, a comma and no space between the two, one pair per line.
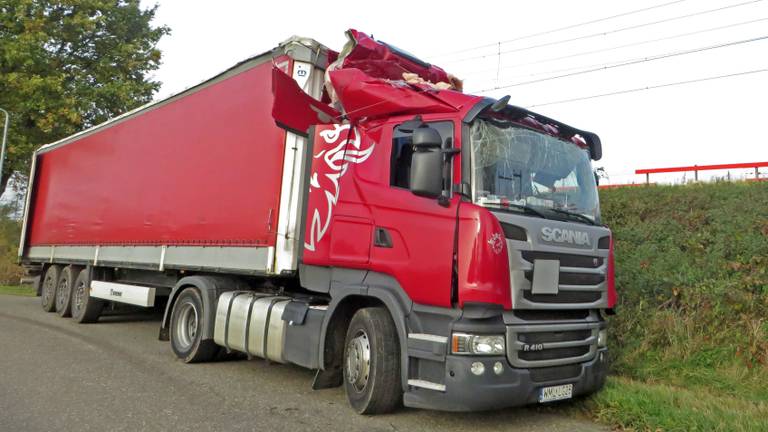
115,375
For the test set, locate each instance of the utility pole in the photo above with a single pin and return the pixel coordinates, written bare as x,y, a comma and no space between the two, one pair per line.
2,151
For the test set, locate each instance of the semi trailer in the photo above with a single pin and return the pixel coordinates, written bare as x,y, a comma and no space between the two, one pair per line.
353,212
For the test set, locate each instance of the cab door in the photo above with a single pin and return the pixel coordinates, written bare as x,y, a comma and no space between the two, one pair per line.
413,236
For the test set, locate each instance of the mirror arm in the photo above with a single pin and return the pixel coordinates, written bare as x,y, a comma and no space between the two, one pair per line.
451,152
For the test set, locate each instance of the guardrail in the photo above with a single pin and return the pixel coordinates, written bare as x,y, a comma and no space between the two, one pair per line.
697,168
621,185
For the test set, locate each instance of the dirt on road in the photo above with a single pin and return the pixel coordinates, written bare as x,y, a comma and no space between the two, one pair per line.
116,375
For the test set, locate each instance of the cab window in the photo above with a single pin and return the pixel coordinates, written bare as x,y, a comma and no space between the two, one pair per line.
402,150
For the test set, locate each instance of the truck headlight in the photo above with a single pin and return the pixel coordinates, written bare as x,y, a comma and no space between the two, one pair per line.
463,343
602,338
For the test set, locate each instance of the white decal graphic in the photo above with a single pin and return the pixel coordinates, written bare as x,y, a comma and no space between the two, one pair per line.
497,243
337,153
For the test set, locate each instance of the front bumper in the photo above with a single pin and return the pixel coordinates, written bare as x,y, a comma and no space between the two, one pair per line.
465,391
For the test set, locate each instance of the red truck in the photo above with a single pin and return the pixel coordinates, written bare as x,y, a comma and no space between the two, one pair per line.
350,212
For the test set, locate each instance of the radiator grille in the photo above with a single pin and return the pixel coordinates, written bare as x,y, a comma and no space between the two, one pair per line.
533,346
581,282
563,297
556,373
566,260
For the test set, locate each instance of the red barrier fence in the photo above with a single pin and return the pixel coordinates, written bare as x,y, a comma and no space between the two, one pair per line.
618,185
697,168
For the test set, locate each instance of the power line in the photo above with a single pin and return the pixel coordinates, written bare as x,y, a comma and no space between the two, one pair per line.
621,29
638,89
583,53
560,29
628,63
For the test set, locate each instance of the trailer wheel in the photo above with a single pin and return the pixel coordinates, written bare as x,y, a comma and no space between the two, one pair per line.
372,362
85,309
64,291
186,329
50,281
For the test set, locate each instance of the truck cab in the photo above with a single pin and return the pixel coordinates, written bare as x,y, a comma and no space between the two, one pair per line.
483,226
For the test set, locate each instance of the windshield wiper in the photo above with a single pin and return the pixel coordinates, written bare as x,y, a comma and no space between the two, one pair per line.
524,208
572,215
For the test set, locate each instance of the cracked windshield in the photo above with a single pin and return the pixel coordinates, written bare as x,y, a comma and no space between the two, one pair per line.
527,171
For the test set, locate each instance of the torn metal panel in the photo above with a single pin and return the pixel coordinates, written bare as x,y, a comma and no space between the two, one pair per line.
295,110
363,96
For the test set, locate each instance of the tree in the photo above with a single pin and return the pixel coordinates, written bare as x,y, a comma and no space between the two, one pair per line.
66,65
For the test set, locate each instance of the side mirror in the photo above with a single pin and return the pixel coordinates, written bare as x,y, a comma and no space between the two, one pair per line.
425,137
427,163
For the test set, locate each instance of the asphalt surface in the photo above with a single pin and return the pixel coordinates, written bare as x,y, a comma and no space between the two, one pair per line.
115,375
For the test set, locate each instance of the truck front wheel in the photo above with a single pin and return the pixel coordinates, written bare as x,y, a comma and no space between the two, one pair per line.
372,362
186,329
50,281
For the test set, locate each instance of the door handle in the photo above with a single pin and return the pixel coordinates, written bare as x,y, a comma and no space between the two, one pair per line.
382,238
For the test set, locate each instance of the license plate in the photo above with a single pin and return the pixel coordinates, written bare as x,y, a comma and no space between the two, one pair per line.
555,393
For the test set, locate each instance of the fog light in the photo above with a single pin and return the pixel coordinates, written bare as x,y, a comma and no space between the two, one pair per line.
602,338
498,368
477,368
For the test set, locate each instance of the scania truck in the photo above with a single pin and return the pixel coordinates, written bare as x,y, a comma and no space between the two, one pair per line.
353,212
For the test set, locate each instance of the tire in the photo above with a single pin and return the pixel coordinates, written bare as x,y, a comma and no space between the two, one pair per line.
372,362
186,329
64,291
49,283
85,309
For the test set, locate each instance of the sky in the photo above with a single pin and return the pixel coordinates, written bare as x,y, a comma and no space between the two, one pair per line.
711,122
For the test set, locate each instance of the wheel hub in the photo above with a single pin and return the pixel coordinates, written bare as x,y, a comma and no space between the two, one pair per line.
79,294
186,325
358,362
48,290
61,294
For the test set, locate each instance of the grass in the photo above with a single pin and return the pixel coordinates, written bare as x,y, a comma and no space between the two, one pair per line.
19,290
642,406
690,341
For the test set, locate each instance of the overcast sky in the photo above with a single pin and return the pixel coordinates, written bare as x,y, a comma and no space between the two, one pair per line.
712,122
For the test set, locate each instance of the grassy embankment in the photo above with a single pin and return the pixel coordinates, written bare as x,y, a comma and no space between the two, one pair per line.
690,341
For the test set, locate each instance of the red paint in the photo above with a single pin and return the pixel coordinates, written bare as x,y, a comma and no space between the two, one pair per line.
204,169
702,168
422,231
482,258
294,108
